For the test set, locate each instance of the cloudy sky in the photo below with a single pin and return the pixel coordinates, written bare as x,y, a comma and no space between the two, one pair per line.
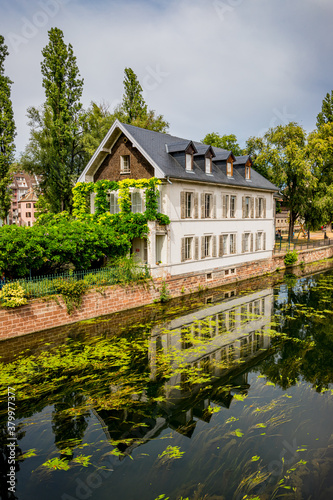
229,66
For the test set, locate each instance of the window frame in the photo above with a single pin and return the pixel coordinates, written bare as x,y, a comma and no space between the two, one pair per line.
208,165
232,206
188,162
247,207
207,245
232,244
188,204
124,167
115,203
188,248
135,194
247,237
208,206
229,169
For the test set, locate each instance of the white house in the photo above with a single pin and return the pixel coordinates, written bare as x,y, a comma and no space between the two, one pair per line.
221,210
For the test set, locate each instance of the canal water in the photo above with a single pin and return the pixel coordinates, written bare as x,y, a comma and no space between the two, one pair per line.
223,396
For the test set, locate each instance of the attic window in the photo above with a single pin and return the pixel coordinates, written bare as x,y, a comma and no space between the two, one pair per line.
125,164
189,162
247,173
208,165
229,169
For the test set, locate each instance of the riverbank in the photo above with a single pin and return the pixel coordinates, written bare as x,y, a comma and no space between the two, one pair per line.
43,314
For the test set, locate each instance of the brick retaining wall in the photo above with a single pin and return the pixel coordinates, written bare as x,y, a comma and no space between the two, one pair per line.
40,314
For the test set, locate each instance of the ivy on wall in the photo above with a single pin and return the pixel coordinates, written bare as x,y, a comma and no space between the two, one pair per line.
102,188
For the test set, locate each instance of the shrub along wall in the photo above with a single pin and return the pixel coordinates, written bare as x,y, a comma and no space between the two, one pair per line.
39,315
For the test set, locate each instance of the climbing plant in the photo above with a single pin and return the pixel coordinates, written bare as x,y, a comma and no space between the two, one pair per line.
102,188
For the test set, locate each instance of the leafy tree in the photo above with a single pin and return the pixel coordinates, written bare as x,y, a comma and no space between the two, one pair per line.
55,149
326,113
134,110
282,157
96,122
228,142
7,134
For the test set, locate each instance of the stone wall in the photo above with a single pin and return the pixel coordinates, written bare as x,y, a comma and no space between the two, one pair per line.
39,315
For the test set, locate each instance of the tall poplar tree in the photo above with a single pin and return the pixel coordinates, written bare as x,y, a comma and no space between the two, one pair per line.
7,134
55,151
326,113
134,110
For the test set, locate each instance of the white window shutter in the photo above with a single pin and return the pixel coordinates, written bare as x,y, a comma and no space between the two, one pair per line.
196,248
182,250
214,247
202,200
202,247
182,205
196,205
221,245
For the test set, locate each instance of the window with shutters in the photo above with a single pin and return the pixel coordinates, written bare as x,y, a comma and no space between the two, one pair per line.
188,205
232,206
260,241
225,205
261,207
208,205
136,202
125,164
232,243
189,162
207,246
247,207
188,248
208,165
114,207
28,205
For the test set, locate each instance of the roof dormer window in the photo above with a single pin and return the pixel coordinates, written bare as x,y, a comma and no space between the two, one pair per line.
247,173
208,165
229,169
189,162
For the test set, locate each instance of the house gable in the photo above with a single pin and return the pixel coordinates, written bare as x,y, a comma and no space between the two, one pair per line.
139,167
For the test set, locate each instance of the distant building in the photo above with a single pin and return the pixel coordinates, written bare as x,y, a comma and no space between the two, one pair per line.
27,207
22,185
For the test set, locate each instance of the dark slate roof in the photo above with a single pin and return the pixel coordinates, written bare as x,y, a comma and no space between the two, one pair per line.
179,146
241,160
202,149
154,143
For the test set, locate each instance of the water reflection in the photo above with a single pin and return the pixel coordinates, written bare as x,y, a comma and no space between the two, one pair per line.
197,399
212,347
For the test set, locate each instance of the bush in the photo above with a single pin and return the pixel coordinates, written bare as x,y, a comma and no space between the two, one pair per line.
12,295
48,248
290,258
71,291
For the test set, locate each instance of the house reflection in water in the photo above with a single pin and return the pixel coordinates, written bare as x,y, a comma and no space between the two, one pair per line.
219,344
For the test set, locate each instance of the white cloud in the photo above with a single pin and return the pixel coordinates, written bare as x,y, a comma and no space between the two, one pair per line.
230,66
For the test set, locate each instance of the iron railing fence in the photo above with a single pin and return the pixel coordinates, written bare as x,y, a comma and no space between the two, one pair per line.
283,246
42,286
